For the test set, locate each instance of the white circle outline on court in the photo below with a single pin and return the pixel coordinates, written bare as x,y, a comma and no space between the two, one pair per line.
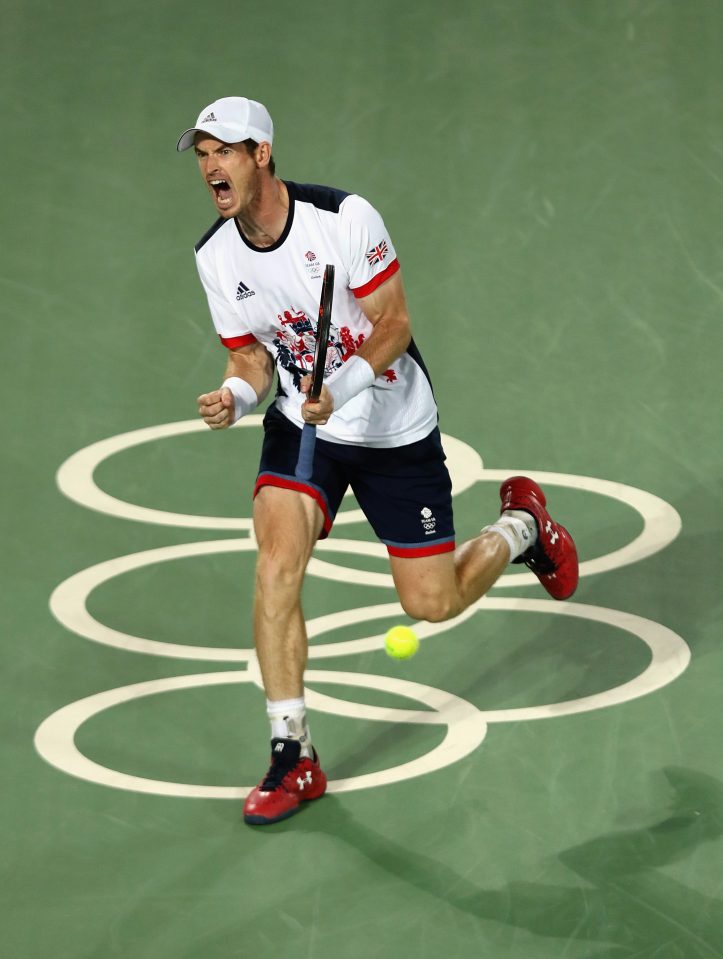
661,522
75,477
68,605
466,724
670,654
68,599
55,737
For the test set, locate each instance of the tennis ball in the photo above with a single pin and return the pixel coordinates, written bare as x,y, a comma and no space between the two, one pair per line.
401,642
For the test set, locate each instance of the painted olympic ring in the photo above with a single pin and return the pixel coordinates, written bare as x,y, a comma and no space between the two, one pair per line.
466,725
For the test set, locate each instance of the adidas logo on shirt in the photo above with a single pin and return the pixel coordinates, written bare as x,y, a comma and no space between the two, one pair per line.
243,292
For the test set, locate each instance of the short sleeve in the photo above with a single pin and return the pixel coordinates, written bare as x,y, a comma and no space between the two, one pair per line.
226,320
371,258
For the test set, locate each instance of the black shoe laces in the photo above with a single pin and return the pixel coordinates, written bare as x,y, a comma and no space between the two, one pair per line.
274,777
538,562
280,767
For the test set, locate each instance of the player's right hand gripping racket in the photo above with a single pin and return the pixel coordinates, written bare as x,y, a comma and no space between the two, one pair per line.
305,462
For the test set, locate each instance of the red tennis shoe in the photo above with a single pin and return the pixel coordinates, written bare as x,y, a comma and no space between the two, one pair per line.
553,558
291,779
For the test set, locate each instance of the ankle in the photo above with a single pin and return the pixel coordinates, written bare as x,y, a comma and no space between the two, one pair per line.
518,529
288,721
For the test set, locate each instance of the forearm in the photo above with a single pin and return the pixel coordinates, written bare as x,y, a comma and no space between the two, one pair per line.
249,374
254,366
386,310
387,342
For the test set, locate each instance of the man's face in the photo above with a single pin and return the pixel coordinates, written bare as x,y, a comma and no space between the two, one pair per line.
230,173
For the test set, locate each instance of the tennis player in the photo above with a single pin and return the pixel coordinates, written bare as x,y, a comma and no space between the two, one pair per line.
261,266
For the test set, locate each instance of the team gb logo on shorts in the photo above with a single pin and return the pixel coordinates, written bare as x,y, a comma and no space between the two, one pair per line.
428,520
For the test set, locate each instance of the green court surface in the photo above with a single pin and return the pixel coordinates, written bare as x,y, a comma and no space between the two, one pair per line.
542,781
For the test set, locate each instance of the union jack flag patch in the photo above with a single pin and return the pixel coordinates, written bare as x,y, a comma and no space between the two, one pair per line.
378,253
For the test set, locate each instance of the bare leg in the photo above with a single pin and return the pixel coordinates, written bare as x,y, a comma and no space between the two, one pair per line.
287,524
439,587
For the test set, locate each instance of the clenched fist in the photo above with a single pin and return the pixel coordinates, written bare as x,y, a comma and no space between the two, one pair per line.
217,408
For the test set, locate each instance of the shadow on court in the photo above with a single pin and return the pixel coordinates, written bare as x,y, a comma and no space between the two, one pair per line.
624,902
649,588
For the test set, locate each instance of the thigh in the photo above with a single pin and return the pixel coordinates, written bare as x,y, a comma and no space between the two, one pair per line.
286,525
279,455
406,494
427,586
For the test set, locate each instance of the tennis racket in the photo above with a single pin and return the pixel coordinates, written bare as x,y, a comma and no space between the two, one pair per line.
305,462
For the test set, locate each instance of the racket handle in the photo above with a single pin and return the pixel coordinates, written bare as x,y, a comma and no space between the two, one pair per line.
305,462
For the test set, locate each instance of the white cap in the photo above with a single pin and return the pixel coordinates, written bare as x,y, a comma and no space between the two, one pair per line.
231,120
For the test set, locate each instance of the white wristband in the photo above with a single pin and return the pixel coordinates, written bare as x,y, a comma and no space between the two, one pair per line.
349,380
244,396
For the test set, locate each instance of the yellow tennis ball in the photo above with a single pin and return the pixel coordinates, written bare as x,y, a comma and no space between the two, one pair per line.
401,642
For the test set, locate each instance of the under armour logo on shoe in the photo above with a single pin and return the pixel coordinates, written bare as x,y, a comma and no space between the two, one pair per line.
305,781
553,536
210,118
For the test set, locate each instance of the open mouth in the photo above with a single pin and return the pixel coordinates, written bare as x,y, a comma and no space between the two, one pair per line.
222,191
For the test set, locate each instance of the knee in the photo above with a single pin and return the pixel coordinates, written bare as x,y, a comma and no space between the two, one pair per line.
279,569
430,607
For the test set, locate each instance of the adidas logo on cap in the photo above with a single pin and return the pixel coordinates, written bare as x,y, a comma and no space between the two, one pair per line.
210,118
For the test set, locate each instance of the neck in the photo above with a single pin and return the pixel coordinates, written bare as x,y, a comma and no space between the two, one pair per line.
265,219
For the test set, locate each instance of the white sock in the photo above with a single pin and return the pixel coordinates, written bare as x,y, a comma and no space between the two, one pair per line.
518,529
288,721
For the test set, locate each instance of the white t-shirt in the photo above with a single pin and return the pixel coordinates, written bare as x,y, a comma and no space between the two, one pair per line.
271,295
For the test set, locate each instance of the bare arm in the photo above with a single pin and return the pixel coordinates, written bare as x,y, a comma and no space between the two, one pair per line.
251,363
386,309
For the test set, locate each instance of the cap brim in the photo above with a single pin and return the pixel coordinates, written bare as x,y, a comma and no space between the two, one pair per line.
225,134
185,141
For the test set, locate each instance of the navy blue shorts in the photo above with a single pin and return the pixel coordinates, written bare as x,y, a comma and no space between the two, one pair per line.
405,492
